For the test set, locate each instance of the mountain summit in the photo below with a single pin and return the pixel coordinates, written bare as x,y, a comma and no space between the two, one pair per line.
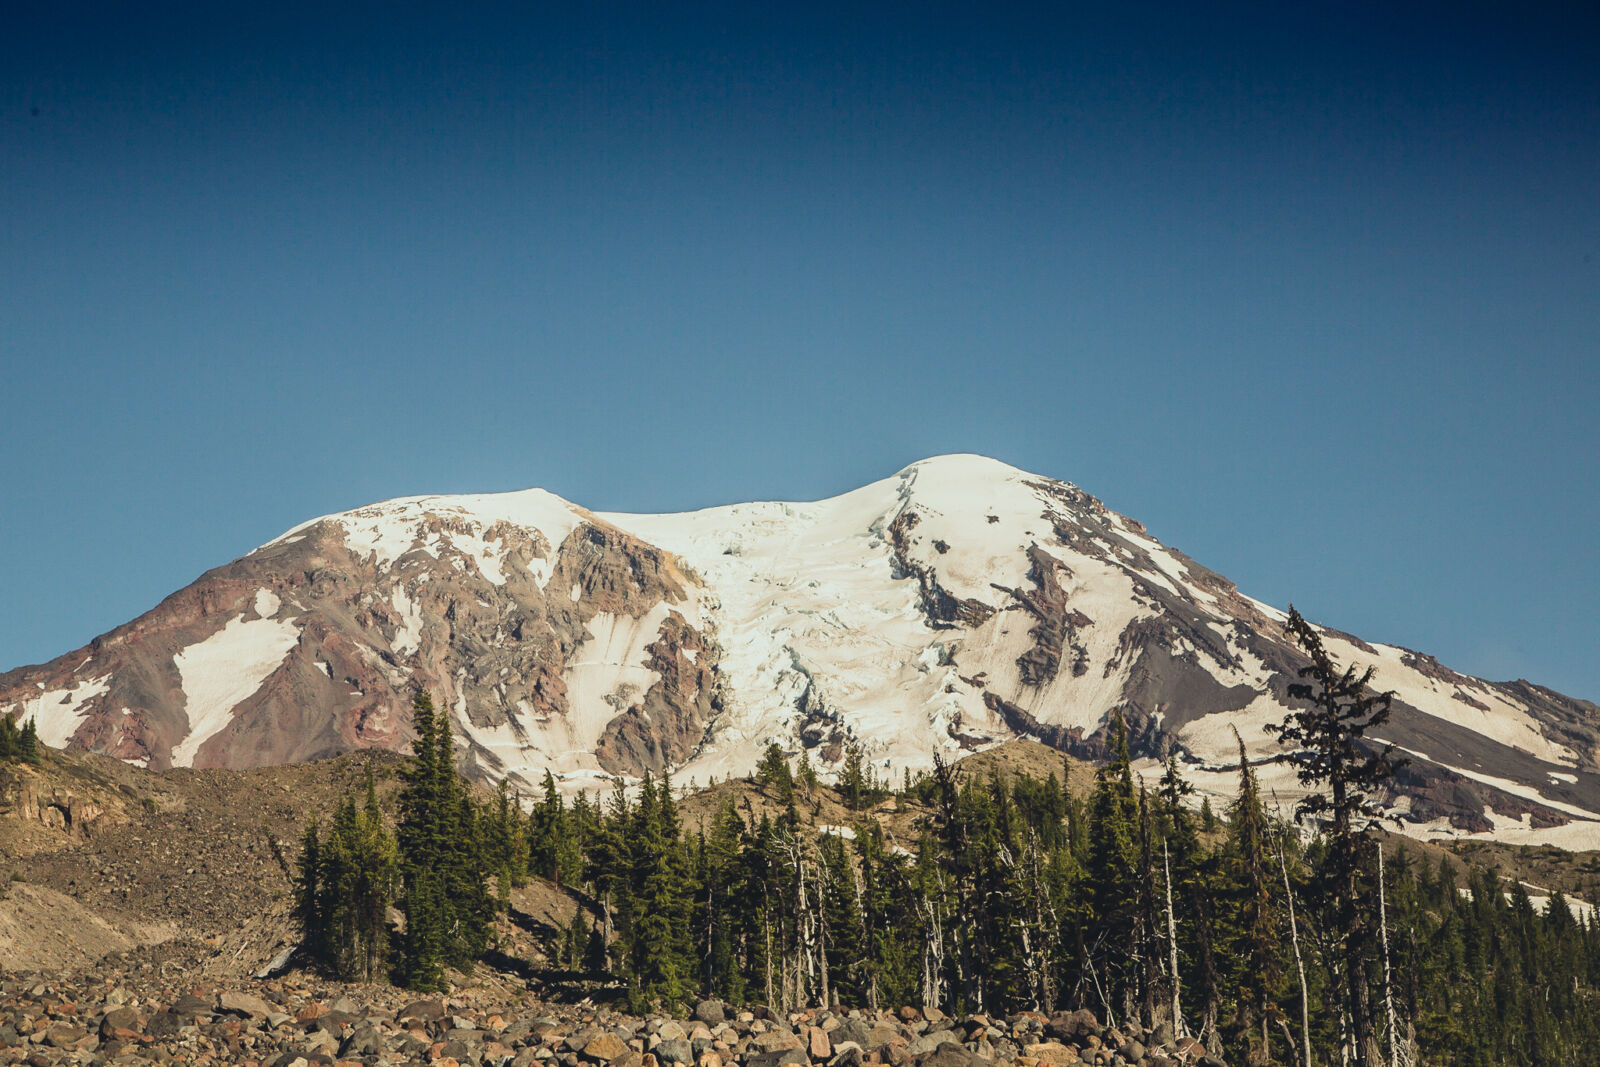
955,605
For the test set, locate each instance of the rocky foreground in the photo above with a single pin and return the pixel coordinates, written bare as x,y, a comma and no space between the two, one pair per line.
295,1022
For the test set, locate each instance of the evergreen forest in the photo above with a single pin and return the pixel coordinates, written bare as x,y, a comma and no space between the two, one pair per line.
19,744
1297,938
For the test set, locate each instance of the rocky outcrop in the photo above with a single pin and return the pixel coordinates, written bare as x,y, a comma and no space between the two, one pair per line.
29,795
671,719
942,610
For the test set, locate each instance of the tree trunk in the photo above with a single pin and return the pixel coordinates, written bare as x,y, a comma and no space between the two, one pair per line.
1178,1029
1388,987
1299,963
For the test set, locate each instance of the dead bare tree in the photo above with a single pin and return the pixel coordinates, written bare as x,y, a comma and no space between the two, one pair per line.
1178,1027
1294,941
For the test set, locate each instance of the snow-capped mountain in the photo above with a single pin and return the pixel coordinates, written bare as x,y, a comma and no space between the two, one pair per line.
957,604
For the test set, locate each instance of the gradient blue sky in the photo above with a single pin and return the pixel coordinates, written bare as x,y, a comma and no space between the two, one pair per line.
1313,293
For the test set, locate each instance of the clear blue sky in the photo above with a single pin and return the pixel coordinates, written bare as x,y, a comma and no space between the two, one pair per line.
1314,294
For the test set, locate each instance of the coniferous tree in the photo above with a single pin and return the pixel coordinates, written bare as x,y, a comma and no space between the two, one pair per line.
344,887
1113,856
308,893
10,740
1326,737
443,862
774,772
1257,961
852,778
29,749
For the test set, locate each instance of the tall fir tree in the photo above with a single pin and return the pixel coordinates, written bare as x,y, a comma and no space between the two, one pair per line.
1326,736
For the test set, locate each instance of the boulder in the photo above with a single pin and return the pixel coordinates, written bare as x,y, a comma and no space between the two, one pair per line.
711,1012
778,1057
604,1047
932,1040
947,1054
119,1019
1051,1053
427,1011
1069,1026
776,1041
674,1050
854,1029
363,1041
818,1044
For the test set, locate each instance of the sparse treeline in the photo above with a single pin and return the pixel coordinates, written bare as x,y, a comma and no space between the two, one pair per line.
19,744
1005,894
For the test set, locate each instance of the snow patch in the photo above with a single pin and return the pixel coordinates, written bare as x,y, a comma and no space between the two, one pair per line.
1502,720
267,603
408,637
224,670
58,713
1516,789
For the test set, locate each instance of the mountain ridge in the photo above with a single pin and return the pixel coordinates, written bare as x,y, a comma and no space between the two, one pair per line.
956,604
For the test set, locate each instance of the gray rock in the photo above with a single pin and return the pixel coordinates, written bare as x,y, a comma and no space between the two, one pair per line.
277,964
430,1010
364,1041
674,1050
711,1012
243,1004
778,1058
930,1041
947,1054
852,1029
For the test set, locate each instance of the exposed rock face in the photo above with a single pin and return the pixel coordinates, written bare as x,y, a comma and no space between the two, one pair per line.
955,605
314,644
32,797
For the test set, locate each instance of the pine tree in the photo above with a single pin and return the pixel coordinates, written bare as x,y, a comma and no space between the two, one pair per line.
28,748
443,858
10,740
1113,857
345,884
308,894
1326,738
774,772
1193,877
1258,964
852,778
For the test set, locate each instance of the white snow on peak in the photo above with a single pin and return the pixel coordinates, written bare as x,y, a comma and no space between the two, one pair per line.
224,670
385,531
813,612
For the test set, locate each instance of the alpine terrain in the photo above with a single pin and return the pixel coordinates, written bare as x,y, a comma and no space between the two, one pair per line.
956,605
